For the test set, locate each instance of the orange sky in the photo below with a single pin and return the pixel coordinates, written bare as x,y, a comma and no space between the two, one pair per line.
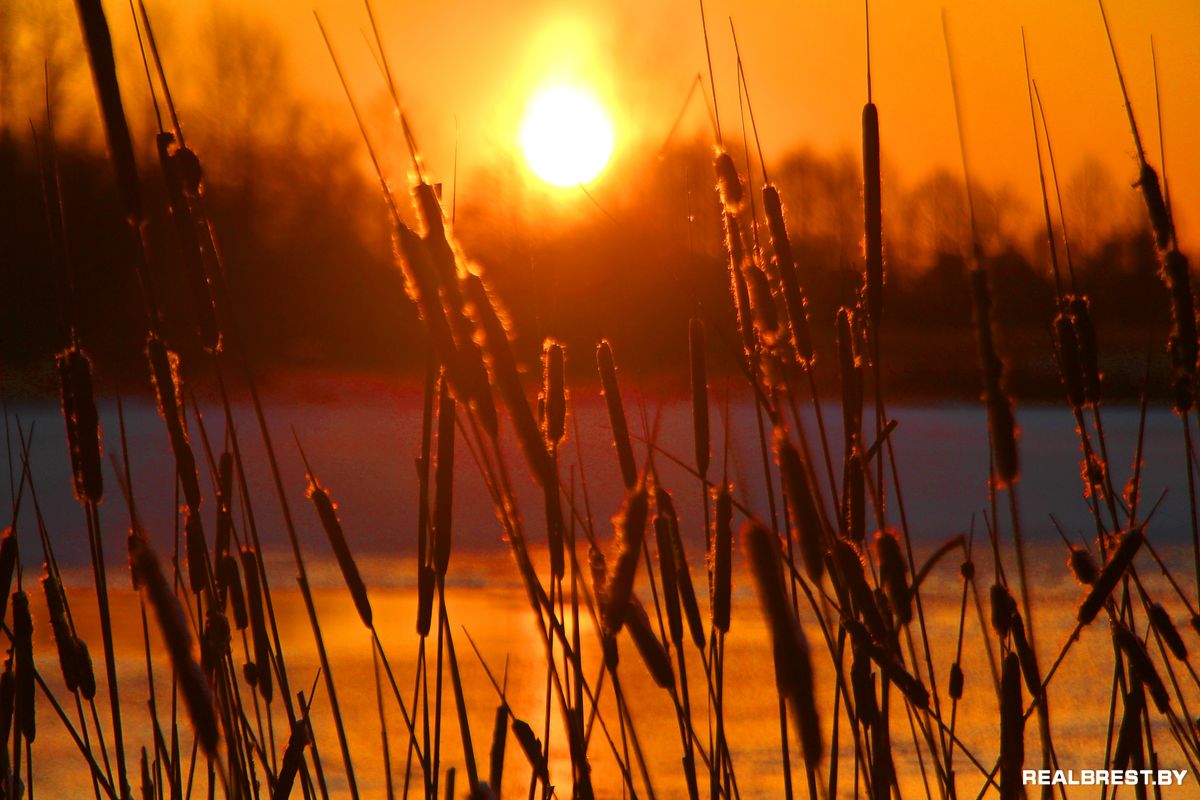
478,61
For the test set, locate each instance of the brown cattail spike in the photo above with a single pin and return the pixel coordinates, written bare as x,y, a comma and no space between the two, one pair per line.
327,512
554,393
683,572
872,214
1001,424
1107,580
629,526
22,639
893,573
653,654
1012,729
258,624
807,527
1165,627
721,567
616,413
793,297
443,485
794,674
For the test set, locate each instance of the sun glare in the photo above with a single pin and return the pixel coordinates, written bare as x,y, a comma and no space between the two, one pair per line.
566,136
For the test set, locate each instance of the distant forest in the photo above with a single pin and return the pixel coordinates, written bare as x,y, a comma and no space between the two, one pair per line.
309,255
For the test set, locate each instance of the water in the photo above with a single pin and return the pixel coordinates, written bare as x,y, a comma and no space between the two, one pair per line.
362,438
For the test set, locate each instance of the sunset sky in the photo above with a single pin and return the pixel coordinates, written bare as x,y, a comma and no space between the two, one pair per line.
476,64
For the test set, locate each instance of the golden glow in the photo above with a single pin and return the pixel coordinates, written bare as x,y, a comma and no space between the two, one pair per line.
566,136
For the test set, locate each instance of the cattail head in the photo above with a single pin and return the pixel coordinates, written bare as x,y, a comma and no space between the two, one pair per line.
499,745
1012,728
1140,665
683,572
231,585
83,423
629,525
1161,621
721,566
729,182
1089,351
653,654
668,576
1029,666
197,553
793,666
872,213
443,486
1110,574
1082,565
531,746
426,584
1129,736
327,512
85,672
893,573
164,371
862,682
1069,362
956,681
1156,207
762,303
64,639
8,565
258,624
967,570
1002,609
850,368
1001,424
144,564
22,639
850,579
807,527
616,413
554,393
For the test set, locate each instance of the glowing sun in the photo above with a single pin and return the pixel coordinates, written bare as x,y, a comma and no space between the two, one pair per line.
566,136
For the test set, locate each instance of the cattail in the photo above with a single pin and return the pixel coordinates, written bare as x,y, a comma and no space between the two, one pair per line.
872,214
224,506
507,380
143,563
893,572
794,675
1069,360
850,369
1141,666
807,527
231,585
721,567
1089,351
83,423
1002,609
426,583
64,640
616,413
653,654
862,682
762,302
22,638
164,369
443,486
793,296
293,758
1082,565
258,623
736,248
1029,666
699,375
683,572
670,581
1156,207
598,567
499,745
8,701
1012,729
554,393
531,746
850,574
1001,425
1129,736
327,512
908,684
956,681
1162,624
104,74
8,565
629,526
86,673
1106,581
197,553
967,570
729,182
1182,345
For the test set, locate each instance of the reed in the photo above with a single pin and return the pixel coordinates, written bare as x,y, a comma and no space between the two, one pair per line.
258,625
806,525
721,565
629,527
607,367
1012,729
653,654
327,512
1122,557
443,483
1164,626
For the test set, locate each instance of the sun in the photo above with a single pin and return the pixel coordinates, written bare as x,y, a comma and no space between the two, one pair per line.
566,136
